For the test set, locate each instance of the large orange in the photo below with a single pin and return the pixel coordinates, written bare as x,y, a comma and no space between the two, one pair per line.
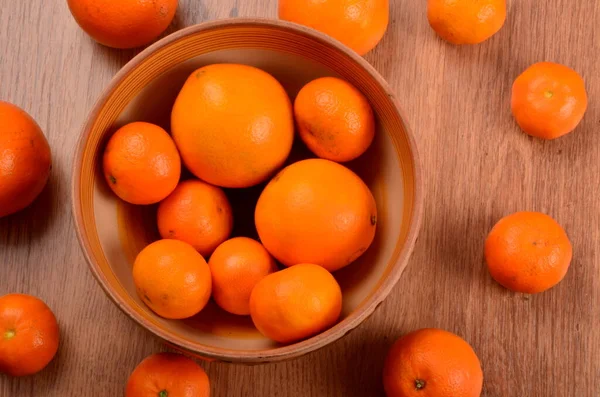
528,252
316,211
168,375
466,21
141,163
197,213
236,267
334,119
123,23
28,335
25,160
359,24
296,303
548,100
432,363
172,278
233,125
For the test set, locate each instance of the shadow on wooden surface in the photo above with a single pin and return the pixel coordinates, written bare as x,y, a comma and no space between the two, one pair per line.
115,57
32,223
356,369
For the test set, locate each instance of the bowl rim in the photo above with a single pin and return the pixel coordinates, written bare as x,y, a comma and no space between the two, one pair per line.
279,353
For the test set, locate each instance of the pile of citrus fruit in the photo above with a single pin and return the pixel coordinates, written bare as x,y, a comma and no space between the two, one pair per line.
233,126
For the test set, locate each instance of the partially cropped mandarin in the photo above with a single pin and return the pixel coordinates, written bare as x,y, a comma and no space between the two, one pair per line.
236,267
316,211
549,100
466,21
141,163
25,159
168,375
359,24
233,125
123,23
528,252
197,213
334,119
172,278
432,363
296,303
29,335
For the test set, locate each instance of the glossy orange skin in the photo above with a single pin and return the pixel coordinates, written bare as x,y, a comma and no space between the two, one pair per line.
141,163
236,267
124,23
528,252
173,374
25,159
296,303
432,363
548,100
316,211
466,21
197,213
233,125
334,119
29,335
359,24
172,278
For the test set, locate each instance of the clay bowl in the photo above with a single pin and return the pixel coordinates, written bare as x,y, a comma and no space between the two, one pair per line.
112,232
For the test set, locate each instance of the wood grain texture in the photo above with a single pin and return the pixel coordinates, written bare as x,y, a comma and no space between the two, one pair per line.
478,167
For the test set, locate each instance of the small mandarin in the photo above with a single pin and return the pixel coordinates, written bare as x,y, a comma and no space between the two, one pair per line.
548,100
168,375
141,163
295,303
124,23
236,267
334,119
197,213
29,335
528,252
466,21
25,160
432,363
172,278
359,24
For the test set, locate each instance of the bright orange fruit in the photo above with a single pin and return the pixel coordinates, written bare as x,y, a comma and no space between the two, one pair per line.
316,211
141,163
296,303
197,213
466,21
528,252
25,160
334,119
123,23
168,375
29,335
432,363
236,267
359,24
549,100
172,278
233,125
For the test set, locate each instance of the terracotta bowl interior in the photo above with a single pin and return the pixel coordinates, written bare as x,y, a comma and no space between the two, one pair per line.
113,232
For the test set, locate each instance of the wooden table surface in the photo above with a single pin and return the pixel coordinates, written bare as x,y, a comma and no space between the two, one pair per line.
478,167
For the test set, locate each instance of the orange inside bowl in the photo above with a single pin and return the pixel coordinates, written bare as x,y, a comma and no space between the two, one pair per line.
112,232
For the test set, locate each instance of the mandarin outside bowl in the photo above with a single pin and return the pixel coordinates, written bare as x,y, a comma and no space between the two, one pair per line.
112,232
